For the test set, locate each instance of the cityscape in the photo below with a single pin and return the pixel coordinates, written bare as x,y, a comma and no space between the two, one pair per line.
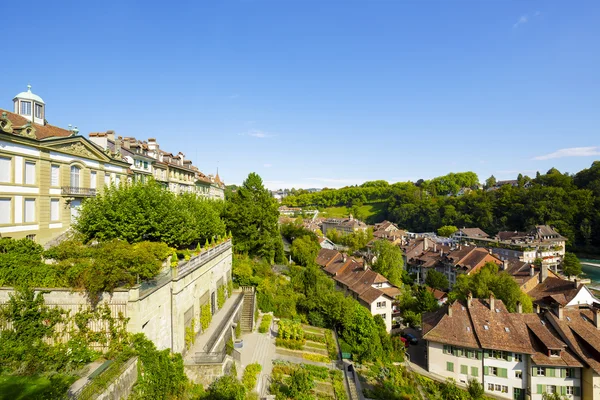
328,201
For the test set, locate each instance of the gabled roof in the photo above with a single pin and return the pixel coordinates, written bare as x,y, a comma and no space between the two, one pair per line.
327,256
40,131
474,232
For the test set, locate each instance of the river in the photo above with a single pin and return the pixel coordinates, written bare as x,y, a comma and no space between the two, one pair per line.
591,271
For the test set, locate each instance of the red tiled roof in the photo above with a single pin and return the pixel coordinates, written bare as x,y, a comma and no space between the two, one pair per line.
41,131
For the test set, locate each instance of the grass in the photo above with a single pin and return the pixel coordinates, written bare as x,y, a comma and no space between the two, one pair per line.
33,387
372,212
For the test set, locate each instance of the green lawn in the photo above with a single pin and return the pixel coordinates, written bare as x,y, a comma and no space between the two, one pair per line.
32,387
372,213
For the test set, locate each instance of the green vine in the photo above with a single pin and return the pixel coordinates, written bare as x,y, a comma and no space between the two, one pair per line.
190,334
229,287
205,316
220,296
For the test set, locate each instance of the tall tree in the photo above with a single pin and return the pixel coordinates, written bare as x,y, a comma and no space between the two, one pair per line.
571,265
251,215
389,262
437,280
447,230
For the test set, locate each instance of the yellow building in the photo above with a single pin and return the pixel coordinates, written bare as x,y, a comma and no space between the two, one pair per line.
46,172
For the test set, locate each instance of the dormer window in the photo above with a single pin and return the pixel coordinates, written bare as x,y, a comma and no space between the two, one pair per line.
554,353
25,108
39,111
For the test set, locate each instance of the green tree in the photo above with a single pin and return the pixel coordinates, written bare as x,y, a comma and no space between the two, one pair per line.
251,215
490,182
475,389
304,250
389,261
437,280
571,265
226,387
300,383
447,230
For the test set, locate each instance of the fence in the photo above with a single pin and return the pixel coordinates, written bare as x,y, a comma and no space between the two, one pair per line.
202,258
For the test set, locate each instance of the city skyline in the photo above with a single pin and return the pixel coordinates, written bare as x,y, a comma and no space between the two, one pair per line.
316,95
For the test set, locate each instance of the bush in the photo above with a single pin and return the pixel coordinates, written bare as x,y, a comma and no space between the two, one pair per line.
265,323
315,357
289,343
314,338
250,376
289,329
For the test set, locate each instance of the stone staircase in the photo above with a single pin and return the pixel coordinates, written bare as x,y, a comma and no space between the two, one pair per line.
247,318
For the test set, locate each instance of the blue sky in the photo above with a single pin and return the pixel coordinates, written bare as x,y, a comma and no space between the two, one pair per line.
321,93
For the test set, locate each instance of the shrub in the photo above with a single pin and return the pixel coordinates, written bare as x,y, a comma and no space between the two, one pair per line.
289,343
205,316
220,296
250,376
289,329
265,323
314,338
315,357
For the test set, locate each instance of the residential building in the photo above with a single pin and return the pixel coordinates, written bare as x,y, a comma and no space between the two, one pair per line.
46,172
469,233
370,289
344,225
326,243
514,356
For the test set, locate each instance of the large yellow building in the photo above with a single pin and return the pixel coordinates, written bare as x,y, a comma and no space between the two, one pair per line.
46,172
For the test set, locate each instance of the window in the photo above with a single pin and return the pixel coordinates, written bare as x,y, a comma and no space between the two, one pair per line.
29,210
25,108
75,176
504,389
474,371
30,237
145,164
38,111
541,371
118,180
93,180
54,209
450,366
447,349
519,374
55,175
518,357
29,173
464,370
493,371
554,353
569,373
550,389
498,388
5,169
5,211
107,179
382,316
517,393
381,304
569,390
490,387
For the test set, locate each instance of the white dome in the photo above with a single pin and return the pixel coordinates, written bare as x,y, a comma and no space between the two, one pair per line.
29,96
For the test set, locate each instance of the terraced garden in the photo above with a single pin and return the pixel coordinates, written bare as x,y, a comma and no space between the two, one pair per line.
290,380
306,342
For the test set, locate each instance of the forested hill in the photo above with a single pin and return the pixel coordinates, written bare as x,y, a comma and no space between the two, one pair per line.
570,203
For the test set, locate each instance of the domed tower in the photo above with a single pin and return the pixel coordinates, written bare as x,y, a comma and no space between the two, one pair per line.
30,106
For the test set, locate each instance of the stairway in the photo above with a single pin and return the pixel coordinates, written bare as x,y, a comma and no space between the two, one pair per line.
247,318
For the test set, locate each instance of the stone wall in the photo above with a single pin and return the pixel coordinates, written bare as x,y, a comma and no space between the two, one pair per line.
122,386
205,374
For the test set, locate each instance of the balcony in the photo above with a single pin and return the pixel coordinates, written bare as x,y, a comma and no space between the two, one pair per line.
77,191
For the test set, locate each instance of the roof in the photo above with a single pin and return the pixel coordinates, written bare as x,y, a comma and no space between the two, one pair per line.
455,330
473,232
508,235
546,230
40,131
438,294
554,289
326,256
29,96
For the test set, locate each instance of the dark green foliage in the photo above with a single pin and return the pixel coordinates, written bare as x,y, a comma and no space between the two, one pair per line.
571,265
414,302
354,241
475,389
304,250
300,383
436,280
140,212
251,215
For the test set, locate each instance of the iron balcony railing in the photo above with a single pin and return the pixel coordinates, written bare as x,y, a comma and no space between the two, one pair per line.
78,191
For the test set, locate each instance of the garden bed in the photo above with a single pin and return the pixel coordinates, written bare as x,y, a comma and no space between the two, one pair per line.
324,383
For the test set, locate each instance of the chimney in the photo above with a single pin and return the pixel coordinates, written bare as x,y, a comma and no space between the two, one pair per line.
126,143
492,301
118,145
110,135
351,217
450,309
504,265
344,257
543,272
519,307
596,312
538,309
560,310
469,299
435,247
531,270
425,244
576,282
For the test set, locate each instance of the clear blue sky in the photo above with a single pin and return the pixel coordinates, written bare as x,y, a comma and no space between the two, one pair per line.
321,93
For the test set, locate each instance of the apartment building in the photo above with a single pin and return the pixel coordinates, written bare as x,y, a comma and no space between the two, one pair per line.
370,289
344,225
515,356
46,172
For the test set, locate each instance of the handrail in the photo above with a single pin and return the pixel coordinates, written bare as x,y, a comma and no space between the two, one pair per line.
77,191
226,321
202,258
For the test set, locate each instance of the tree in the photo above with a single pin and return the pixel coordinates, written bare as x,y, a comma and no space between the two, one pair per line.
389,261
571,265
226,387
436,280
475,389
251,215
490,182
447,231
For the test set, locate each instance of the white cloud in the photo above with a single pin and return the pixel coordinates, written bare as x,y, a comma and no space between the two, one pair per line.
571,152
257,134
522,20
267,165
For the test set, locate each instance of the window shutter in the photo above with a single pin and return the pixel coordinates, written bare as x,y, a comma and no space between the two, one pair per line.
464,370
474,371
563,373
508,356
576,390
488,353
486,370
450,366
539,389
503,372
550,372
563,390
5,170
534,371
454,351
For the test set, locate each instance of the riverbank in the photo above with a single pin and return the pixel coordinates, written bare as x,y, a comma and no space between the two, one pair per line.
591,270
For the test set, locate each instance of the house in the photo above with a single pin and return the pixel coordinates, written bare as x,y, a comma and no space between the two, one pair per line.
439,295
326,243
469,233
46,172
356,279
513,355
344,226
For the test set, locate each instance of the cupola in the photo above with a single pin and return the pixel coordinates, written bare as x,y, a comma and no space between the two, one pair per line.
30,106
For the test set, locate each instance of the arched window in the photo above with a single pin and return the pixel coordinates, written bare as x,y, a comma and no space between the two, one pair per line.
75,173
